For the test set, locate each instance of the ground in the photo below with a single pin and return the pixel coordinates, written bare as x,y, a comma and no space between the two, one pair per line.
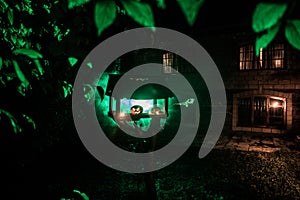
241,166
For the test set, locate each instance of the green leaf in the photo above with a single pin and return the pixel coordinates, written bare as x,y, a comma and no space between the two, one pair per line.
38,66
105,14
264,40
29,120
89,91
83,195
1,63
72,61
20,74
28,52
161,4
292,33
3,6
68,88
190,9
139,12
90,65
75,3
267,15
10,16
13,121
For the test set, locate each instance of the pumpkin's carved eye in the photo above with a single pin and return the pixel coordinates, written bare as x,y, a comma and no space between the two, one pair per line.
136,109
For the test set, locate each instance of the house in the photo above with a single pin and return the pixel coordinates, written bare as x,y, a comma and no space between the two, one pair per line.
263,92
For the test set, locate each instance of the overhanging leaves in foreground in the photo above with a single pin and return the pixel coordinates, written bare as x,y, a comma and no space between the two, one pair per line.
74,3
292,33
140,12
267,15
105,14
190,9
32,54
29,120
72,61
161,4
13,121
20,74
83,195
28,52
264,40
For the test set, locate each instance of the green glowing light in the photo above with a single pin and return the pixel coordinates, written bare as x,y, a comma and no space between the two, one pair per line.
102,107
105,14
190,9
140,12
292,33
115,72
267,15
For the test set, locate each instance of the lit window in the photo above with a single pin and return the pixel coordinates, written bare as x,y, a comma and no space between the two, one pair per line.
272,57
169,63
246,57
261,111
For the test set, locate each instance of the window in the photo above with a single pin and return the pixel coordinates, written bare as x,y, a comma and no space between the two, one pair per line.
169,63
261,111
272,57
244,111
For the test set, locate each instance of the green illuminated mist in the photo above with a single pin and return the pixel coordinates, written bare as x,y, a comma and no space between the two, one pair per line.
102,106
150,106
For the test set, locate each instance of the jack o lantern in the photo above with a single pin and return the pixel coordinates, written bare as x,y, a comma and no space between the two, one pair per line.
156,110
136,110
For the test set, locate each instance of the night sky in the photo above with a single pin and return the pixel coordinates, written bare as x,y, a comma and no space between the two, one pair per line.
213,14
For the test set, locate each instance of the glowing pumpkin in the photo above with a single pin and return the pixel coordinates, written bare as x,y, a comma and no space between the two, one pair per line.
136,110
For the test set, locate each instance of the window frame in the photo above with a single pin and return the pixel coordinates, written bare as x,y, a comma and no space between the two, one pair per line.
254,106
261,62
169,62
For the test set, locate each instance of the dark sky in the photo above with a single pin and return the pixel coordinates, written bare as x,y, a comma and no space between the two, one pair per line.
222,13
212,14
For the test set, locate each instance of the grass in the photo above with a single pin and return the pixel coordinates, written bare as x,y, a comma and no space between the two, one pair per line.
223,174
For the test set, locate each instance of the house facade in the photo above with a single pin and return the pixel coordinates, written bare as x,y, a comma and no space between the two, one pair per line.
262,88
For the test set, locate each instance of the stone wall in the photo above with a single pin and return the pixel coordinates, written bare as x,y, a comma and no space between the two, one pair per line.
275,82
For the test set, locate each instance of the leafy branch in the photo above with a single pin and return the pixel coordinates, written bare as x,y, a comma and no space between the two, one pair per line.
268,18
140,11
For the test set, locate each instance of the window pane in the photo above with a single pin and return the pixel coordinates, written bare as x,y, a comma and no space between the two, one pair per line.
168,62
274,56
260,111
244,112
276,112
246,57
